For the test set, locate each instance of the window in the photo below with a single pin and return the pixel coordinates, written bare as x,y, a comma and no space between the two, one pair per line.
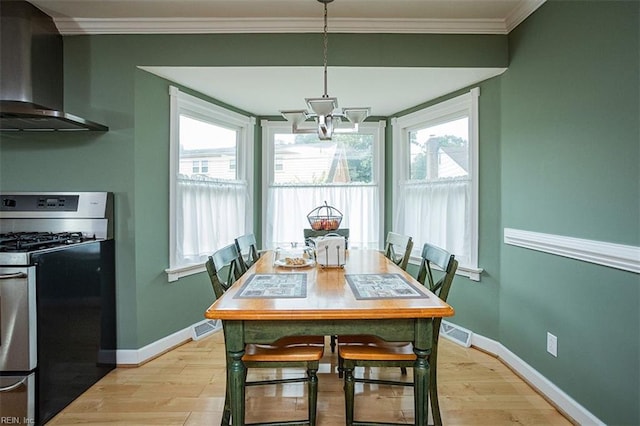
210,201
300,173
435,173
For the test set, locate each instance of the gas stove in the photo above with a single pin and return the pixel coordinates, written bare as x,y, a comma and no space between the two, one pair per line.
16,248
57,281
33,223
32,241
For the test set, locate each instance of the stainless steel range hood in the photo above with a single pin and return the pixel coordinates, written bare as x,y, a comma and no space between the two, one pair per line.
31,74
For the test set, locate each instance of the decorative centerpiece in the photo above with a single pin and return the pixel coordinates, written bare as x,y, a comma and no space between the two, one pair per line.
324,218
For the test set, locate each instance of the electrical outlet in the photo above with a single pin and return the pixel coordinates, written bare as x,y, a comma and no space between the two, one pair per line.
552,344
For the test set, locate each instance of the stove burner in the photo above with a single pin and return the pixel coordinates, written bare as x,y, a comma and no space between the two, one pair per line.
31,241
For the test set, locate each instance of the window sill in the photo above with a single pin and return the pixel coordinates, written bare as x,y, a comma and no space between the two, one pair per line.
465,271
174,274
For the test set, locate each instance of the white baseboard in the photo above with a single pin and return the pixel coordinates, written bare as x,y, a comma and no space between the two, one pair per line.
569,406
135,357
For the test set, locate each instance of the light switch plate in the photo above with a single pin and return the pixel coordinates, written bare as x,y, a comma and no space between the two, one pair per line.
552,344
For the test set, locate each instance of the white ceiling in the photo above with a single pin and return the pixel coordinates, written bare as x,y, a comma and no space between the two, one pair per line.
385,90
279,88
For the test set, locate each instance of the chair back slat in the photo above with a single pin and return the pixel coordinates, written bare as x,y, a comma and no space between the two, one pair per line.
398,249
248,249
433,255
225,259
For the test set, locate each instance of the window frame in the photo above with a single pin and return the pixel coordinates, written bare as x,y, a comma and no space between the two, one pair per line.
180,103
377,129
465,104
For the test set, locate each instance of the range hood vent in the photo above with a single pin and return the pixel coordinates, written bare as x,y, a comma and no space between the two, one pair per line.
31,74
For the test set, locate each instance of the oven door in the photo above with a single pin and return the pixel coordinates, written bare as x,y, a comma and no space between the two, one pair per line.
18,319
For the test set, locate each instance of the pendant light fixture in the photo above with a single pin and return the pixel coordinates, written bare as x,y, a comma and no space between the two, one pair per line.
324,110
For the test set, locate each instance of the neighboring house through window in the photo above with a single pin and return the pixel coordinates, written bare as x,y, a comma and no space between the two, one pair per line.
210,201
435,175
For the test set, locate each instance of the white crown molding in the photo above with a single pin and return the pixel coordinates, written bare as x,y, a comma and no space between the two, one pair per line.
88,26
626,258
521,13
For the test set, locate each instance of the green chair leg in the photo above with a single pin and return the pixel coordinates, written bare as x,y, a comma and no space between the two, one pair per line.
340,367
349,392
313,395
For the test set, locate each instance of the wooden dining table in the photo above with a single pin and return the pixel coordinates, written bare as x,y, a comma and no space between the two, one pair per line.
369,295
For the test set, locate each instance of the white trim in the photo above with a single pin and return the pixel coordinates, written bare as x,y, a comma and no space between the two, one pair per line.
125,357
87,26
184,103
174,274
626,258
464,271
567,405
522,12
474,140
465,103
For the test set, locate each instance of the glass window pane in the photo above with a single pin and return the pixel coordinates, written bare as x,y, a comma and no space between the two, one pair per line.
303,159
440,151
207,149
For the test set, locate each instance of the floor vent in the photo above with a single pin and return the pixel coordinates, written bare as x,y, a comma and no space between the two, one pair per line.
455,333
204,328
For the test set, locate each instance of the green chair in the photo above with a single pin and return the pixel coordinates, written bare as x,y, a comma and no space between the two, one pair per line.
289,352
247,247
398,248
372,351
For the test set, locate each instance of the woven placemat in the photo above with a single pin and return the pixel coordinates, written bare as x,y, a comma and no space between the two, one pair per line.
274,286
383,286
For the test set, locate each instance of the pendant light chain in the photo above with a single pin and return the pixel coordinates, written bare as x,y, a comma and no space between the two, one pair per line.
326,43
324,110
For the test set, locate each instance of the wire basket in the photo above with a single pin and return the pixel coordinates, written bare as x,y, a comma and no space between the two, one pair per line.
324,218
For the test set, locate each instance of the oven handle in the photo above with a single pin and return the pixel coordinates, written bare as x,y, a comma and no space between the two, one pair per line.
15,275
14,386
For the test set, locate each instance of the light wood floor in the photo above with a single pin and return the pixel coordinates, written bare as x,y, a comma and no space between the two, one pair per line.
186,387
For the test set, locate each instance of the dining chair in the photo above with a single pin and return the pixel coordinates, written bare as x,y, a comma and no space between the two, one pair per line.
288,352
397,248
248,249
372,351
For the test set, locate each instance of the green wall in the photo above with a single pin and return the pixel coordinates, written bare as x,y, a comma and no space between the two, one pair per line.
570,166
558,154
103,83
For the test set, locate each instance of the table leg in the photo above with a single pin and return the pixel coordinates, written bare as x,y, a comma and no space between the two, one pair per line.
422,349
421,386
236,374
236,370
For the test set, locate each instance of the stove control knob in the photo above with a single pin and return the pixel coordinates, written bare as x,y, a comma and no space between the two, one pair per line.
8,202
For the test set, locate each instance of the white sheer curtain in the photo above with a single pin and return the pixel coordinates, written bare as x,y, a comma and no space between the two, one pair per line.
210,215
288,206
438,213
